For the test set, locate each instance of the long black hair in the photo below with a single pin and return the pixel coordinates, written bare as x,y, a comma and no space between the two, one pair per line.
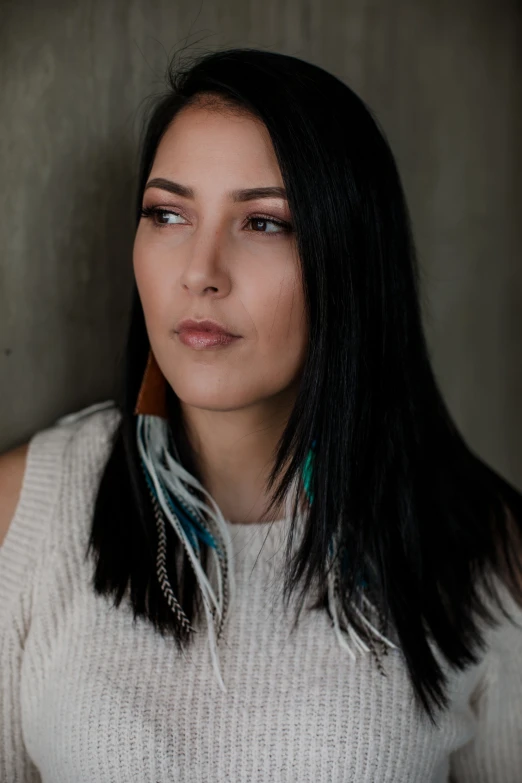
393,478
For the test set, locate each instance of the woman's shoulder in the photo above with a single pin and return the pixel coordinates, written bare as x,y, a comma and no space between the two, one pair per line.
62,460
12,469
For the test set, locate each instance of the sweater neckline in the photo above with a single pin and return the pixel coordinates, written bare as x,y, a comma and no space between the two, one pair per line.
264,539
251,525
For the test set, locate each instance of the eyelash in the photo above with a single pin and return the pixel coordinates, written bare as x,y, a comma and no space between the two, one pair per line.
150,212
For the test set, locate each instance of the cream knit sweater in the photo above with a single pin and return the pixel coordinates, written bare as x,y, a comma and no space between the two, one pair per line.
86,696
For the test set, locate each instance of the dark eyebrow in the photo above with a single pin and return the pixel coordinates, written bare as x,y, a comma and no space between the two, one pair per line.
248,194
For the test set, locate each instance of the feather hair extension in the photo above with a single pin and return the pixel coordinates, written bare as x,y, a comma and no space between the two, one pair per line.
171,488
168,477
334,580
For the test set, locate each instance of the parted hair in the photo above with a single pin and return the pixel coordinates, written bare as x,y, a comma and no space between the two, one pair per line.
412,504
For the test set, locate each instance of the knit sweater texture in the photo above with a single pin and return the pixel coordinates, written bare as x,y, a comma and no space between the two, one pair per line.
89,696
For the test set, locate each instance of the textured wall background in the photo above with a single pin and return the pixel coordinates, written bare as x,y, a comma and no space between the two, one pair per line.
443,79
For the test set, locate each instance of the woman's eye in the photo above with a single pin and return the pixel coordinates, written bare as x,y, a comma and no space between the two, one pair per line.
267,226
162,217
261,225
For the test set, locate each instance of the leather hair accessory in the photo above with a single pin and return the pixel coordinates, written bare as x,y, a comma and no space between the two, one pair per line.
152,397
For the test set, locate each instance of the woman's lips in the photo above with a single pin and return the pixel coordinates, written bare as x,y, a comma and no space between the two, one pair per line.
199,340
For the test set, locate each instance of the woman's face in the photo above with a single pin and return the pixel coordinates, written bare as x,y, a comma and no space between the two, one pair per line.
210,249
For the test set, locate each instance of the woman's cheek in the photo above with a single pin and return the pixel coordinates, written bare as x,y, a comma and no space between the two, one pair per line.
152,271
281,324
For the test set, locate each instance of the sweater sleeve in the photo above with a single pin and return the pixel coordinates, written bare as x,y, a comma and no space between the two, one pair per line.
494,755
19,554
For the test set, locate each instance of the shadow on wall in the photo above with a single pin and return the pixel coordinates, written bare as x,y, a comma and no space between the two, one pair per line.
99,237
65,350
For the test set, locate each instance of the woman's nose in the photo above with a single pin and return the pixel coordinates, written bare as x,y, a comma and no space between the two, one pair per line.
205,263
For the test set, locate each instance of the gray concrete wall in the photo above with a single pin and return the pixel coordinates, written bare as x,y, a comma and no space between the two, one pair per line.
444,81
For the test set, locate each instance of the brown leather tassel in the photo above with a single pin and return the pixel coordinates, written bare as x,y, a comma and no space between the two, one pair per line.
152,397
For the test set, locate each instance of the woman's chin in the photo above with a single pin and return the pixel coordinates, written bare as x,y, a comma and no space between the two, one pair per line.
221,399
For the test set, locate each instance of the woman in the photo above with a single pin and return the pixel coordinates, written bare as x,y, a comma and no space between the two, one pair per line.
281,443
